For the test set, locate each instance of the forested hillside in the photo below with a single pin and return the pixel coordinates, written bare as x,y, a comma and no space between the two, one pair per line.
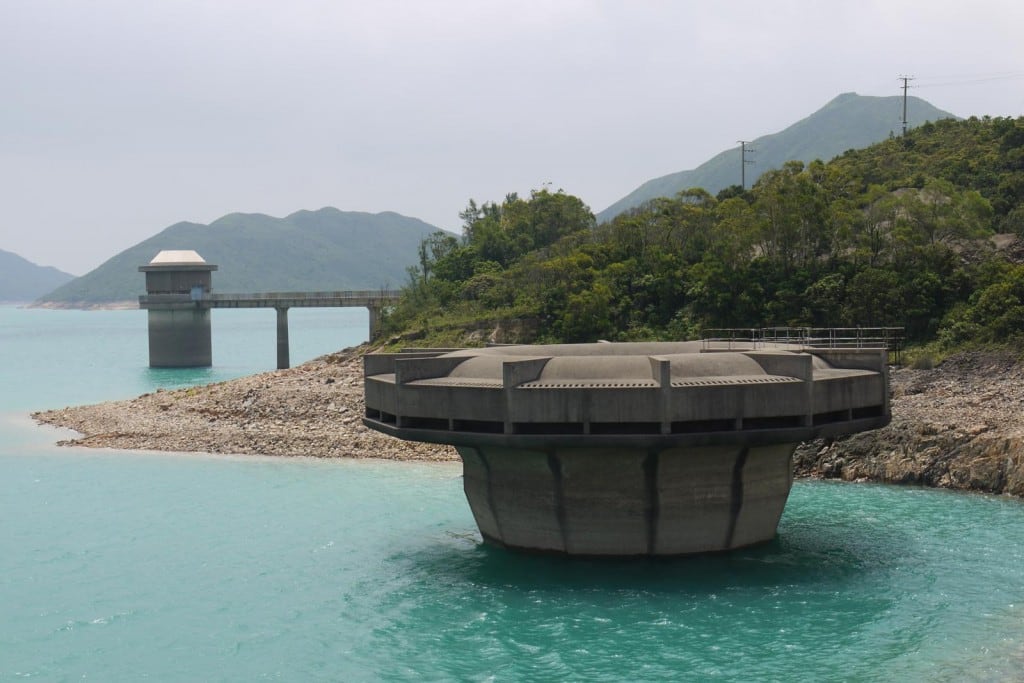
850,121
319,250
895,234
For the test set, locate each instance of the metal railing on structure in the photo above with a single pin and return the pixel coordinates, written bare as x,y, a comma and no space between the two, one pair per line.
889,338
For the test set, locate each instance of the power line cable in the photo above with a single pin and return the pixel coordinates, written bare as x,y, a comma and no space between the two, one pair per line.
970,80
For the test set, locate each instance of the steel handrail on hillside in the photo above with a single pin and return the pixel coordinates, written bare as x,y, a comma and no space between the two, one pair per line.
889,338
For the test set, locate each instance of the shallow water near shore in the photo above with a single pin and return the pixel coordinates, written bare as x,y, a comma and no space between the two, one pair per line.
124,566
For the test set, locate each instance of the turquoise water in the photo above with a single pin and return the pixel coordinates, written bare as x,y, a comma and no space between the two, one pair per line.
58,358
120,566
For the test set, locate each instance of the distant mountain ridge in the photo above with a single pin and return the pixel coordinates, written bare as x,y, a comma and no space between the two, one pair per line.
22,281
321,250
850,121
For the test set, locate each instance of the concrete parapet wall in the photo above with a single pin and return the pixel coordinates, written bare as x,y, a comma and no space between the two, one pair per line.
522,370
655,394
382,396
466,404
848,393
875,360
580,405
784,363
411,369
384,363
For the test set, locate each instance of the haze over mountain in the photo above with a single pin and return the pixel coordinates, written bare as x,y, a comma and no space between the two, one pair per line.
850,121
331,249
320,250
22,281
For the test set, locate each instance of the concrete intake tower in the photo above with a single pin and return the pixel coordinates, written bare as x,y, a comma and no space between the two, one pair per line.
665,448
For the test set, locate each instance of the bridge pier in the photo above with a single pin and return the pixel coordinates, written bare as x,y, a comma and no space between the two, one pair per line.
374,321
282,337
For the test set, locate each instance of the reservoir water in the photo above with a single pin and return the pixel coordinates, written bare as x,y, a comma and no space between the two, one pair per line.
127,566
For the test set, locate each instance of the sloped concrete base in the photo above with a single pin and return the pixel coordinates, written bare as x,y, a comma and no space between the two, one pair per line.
621,502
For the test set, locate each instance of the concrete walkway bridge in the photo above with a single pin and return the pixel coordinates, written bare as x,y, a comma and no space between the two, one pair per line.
179,299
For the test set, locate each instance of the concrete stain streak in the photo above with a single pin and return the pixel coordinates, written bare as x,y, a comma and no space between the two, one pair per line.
736,495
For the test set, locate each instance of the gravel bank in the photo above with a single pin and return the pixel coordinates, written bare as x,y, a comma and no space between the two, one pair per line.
314,409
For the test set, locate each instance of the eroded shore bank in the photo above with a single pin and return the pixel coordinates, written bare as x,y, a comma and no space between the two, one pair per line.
960,425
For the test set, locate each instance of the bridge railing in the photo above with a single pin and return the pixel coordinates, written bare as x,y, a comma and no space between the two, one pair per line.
381,294
258,299
889,338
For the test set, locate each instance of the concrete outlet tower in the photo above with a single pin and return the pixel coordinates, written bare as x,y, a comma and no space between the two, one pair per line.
626,449
179,328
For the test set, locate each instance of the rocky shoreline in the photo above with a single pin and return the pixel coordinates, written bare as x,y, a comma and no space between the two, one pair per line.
314,409
956,426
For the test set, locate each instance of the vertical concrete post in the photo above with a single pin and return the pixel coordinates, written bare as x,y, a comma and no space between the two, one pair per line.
177,283
374,321
661,372
798,365
282,337
514,373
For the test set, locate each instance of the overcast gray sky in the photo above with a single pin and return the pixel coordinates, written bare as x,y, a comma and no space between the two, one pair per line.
121,117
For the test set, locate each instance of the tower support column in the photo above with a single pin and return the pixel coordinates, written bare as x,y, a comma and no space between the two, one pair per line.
374,321
282,338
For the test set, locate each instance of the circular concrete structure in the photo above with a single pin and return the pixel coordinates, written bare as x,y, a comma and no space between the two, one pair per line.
626,449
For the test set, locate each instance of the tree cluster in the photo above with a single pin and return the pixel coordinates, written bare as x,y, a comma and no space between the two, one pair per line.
892,235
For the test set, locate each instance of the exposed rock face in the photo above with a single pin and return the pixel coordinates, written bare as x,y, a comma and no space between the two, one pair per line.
958,426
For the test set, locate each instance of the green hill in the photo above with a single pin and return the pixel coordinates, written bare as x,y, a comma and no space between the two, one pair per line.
23,281
924,232
307,251
850,121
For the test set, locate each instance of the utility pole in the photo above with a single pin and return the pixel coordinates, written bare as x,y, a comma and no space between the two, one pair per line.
906,80
744,150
